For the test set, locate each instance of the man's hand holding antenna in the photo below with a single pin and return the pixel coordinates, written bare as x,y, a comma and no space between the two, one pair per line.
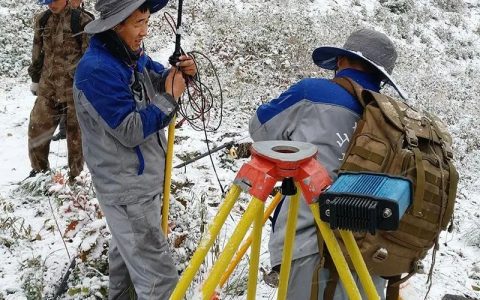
175,83
187,65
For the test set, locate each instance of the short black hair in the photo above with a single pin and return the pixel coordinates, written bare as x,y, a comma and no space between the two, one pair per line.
144,7
365,65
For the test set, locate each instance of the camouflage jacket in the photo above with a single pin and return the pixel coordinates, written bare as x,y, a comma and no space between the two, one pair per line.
56,52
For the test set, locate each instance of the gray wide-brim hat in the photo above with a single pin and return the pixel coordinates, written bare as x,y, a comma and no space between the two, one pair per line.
113,12
373,47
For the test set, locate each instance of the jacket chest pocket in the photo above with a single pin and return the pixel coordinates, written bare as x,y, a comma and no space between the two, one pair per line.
70,43
47,39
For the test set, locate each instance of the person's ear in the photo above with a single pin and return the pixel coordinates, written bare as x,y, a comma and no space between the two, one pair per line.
340,62
119,27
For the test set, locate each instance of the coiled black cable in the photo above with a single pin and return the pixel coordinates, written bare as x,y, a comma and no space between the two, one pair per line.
201,106
198,106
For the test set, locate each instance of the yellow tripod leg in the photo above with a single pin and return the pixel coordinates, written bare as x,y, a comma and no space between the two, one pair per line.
337,255
255,255
206,243
288,245
359,264
243,249
255,207
168,176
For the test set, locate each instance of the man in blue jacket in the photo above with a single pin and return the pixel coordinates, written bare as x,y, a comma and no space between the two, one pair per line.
124,99
321,112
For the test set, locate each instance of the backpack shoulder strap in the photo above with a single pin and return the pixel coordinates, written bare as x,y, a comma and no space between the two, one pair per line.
44,19
87,12
333,278
353,88
35,70
76,26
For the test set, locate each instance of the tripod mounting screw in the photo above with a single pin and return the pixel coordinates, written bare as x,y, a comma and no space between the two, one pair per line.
288,187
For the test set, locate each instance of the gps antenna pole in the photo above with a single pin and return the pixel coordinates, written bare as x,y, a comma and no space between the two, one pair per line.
178,35
171,129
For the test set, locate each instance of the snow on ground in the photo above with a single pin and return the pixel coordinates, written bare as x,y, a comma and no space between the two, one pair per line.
258,48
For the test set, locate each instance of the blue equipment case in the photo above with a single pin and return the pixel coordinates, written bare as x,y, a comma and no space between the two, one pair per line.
366,201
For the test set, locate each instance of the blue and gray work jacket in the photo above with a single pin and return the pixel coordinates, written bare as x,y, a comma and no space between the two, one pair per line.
316,111
121,120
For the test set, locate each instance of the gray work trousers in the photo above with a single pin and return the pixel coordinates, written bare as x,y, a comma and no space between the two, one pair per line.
300,281
138,252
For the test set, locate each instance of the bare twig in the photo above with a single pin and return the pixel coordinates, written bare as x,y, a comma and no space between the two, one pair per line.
58,227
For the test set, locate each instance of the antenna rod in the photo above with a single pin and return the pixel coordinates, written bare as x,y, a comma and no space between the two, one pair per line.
178,34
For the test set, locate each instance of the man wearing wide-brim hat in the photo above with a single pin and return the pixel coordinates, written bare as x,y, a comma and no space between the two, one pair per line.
322,112
124,100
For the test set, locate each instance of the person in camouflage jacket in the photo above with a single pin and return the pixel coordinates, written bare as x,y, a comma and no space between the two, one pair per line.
62,127
55,54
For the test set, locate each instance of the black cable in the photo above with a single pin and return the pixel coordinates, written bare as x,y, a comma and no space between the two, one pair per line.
201,109
213,164
198,104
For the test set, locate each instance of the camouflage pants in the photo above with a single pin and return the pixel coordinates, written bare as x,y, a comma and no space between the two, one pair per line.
44,119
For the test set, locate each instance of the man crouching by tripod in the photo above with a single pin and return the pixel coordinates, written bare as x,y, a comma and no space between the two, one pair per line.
124,99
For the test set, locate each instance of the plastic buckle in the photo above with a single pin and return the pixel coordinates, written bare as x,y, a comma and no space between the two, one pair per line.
412,139
418,267
380,255
447,151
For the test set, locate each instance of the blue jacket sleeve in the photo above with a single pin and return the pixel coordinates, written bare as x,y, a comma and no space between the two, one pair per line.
109,94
